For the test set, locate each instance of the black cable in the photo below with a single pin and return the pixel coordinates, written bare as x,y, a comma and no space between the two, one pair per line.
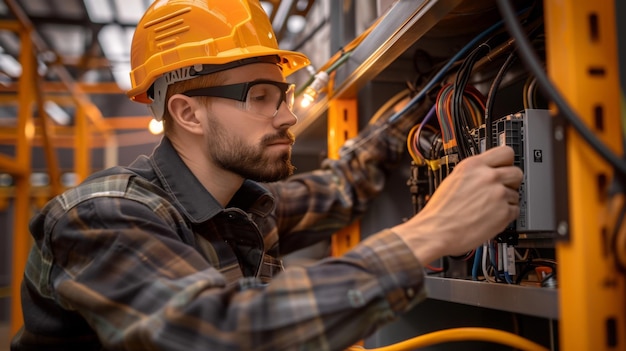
456,108
529,58
491,97
460,115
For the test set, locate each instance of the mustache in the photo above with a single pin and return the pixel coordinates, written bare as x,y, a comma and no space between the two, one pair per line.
282,135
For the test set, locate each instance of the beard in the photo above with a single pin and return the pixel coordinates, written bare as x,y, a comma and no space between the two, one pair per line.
249,161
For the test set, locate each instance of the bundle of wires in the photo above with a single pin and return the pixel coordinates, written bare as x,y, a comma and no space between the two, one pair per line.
491,96
416,141
457,120
460,113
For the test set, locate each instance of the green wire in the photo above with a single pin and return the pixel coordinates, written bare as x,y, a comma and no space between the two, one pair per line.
340,61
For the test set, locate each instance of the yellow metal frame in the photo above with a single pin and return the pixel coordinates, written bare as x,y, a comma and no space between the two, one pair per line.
343,124
21,172
29,92
583,63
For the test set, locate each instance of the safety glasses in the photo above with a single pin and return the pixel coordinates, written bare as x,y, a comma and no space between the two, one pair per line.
262,97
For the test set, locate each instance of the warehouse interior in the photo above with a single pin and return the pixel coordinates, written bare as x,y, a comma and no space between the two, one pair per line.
556,277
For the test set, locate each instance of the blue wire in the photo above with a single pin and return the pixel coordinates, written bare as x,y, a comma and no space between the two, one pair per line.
476,266
429,115
492,258
508,278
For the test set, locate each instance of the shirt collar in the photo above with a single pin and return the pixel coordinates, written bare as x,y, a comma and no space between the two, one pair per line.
196,202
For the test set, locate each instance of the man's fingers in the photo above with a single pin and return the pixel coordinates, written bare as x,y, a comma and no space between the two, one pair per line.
498,156
510,176
512,196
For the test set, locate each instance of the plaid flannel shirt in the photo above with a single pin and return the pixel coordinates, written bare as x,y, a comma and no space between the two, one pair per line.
144,258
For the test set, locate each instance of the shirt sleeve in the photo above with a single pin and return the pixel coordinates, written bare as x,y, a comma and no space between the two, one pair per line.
139,286
311,206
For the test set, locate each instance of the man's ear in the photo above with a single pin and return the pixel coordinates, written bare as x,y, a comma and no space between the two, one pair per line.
183,111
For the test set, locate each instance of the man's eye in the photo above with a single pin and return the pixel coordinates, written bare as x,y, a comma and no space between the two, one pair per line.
258,97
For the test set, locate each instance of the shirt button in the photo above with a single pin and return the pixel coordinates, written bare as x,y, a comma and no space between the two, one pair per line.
356,298
410,293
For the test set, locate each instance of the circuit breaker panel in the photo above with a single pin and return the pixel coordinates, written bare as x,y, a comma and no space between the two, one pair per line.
529,133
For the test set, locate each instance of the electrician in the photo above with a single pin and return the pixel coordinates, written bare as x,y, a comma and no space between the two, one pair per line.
181,249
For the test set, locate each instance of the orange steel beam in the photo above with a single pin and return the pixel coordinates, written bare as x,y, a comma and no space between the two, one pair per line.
583,63
13,26
61,88
46,135
9,164
82,149
61,100
342,125
21,241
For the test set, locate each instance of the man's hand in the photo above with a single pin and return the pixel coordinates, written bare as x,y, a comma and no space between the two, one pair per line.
473,204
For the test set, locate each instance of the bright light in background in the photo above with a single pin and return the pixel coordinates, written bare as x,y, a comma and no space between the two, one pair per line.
6,179
267,6
155,127
99,11
314,89
306,101
68,39
120,74
9,40
295,24
69,179
113,43
10,66
56,113
39,179
130,11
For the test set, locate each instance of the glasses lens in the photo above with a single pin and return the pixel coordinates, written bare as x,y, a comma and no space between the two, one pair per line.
290,96
264,99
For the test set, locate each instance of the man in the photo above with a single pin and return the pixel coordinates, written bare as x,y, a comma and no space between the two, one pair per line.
180,250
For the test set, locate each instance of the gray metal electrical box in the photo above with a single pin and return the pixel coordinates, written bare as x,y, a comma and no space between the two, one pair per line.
529,133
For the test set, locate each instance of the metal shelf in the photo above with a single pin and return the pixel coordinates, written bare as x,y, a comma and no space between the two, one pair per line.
540,302
403,25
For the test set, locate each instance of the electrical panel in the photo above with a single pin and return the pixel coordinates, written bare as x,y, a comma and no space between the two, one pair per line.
529,133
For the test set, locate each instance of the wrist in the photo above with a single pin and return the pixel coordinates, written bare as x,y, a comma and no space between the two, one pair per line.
425,246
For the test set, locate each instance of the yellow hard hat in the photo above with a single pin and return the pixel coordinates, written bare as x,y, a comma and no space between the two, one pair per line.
177,34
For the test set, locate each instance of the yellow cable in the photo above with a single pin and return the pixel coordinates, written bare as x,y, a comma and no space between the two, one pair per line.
409,145
433,164
460,334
